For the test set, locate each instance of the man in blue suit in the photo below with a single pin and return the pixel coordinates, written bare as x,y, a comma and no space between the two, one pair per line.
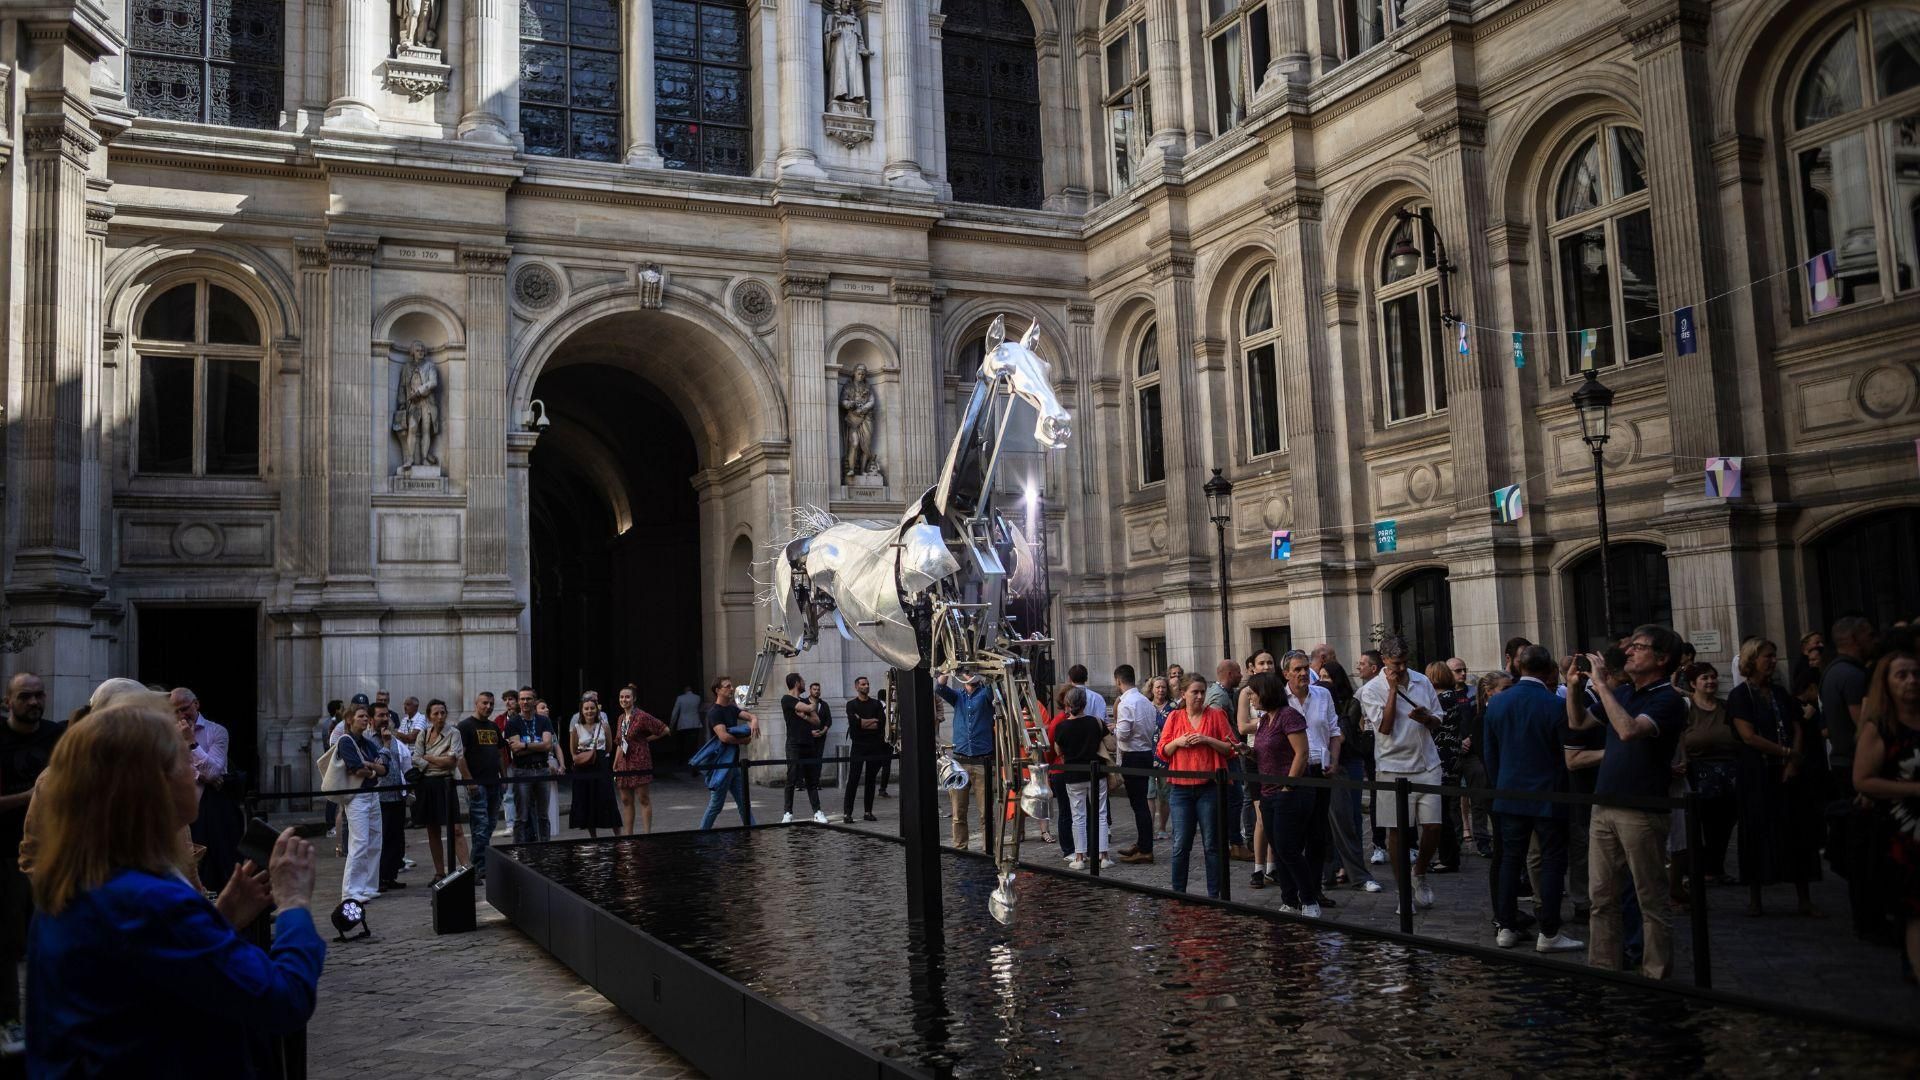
1522,750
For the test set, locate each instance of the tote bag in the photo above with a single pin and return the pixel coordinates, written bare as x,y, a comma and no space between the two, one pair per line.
333,774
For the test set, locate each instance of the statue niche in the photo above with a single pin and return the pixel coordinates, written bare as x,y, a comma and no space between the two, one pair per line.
416,414
849,119
857,404
417,65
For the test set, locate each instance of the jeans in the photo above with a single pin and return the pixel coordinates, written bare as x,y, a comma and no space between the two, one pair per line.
980,785
1190,805
1516,833
1289,819
1629,841
1137,798
530,822
483,808
798,774
867,763
736,785
1077,798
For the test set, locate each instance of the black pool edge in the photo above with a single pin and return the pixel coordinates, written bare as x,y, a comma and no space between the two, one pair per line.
693,1037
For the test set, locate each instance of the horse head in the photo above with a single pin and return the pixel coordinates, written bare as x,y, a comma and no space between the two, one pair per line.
1027,375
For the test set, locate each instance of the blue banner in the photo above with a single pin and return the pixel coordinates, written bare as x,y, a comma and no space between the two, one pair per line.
1683,339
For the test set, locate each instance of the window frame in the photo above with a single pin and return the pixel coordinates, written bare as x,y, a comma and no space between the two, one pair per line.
1424,286
208,64
1130,23
1240,16
200,351
1245,344
1142,382
1390,14
567,109
699,63
1606,215
1152,650
1869,121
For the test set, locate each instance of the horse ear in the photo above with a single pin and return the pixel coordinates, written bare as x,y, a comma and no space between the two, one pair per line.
1032,336
996,333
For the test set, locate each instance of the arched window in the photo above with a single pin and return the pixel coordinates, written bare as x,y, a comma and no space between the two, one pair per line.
1866,567
206,61
991,66
1603,240
570,78
1260,359
1129,98
1855,149
1146,398
1422,610
1239,49
199,349
702,85
1640,594
1408,306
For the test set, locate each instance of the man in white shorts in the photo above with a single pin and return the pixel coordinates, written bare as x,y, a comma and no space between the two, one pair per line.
1400,707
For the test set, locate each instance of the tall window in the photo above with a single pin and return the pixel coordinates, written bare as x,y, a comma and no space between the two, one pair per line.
1260,359
1363,24
570,78
1239,49
1153,658
992,75
1408,305
199,349
1641,594
206,61
1129,98
1146,397
1422,608
1856,157
1603,244
702,75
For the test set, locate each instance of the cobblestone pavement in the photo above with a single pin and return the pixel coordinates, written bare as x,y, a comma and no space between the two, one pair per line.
493,1004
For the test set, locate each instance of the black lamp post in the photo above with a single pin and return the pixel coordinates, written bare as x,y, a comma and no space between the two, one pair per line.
1218,490
1592,400
1406,257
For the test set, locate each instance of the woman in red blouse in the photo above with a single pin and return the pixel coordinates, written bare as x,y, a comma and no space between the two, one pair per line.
639,730
1195,738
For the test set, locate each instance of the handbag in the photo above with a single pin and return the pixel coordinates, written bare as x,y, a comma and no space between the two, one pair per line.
333,775
1713,779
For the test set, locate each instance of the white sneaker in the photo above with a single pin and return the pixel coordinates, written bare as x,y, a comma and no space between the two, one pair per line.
13,1038
1422,893
819,817
1069,856
1370,885
1311,911
333,832
1556,943
1287,909
786,819
1379,857
406,863
1108,864
1077,862
1507,939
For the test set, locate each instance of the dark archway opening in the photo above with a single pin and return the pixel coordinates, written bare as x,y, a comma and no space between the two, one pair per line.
1866,567
1422,606
1641,595
615,531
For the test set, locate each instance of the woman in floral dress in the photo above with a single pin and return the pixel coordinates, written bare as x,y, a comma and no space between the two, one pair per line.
638,732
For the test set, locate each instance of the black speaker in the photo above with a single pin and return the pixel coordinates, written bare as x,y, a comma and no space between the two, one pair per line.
453,902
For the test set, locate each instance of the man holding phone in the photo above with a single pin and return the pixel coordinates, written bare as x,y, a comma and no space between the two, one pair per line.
1401,708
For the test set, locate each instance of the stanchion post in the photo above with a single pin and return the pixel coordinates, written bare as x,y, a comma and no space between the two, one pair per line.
918,794
746,784
1697,894
1220,850
1402,873
1094,784
453,816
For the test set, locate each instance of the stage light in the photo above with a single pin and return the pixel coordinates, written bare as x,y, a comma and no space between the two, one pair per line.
349,914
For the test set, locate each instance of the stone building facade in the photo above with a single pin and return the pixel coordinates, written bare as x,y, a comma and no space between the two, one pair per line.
642,245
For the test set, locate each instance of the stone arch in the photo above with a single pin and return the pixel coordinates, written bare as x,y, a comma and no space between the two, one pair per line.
1524,165
393,319
130,279
1758,55
1124,322
1224,284
1359,221
879,342
962,320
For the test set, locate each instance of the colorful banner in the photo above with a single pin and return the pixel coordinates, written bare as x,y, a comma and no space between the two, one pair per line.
1283,543
1509,504
1519,350
1589,340
1821,284
1683,341
1463,337
1723,478
1385,537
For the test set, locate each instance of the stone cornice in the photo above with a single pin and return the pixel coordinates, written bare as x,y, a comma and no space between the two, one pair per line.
61,134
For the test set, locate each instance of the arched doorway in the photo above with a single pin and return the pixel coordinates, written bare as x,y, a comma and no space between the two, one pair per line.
1641,594
1420,607
1866,567
614,534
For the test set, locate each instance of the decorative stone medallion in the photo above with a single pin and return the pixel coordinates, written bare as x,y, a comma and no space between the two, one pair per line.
753,303
1884,391
536,287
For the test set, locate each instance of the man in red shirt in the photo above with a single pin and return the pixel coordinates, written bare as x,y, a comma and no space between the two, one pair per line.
1195,738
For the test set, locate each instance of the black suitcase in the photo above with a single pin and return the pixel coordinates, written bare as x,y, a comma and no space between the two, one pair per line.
453,902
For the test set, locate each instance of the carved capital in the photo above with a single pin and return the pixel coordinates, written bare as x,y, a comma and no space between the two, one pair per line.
484,258
351,252
1464,124
1171,265
1295,204
1080,314
799,285
1673,22
917,293
311,253
62,135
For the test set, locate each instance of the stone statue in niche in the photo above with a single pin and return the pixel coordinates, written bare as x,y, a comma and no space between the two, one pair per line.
653,285
415,68
415,25
416,413
847,53
857,403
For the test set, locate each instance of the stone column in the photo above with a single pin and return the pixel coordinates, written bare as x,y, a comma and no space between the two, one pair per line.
492,40
1191,585
919,389
903,17
813,427
360,33
310,467
800,57
519,448
487,420
1288,29
351,425
1163,77
636,85
1299,281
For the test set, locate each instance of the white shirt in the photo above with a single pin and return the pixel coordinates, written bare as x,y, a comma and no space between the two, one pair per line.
416,722
1096,703
1409,747
1323,724
1138,725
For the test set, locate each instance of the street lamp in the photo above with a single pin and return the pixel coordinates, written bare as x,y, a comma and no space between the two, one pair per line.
1593,401
1218,490
1405,256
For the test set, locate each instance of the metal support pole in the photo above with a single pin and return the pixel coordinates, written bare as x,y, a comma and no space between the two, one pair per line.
453,818
1226,611
1606,556
1094,786
919,819
1402,873
1697,894
1220,781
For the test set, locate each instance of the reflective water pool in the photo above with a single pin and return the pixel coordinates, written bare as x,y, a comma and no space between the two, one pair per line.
1102,981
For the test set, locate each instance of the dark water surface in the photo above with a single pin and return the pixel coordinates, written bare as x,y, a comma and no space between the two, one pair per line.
1102,981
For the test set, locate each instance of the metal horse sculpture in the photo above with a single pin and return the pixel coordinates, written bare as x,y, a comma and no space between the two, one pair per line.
933,587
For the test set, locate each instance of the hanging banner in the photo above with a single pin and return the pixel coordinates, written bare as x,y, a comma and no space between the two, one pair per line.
1283,543
1519,350
1509,505
1723,478
1683,343
1385,537
1589,340
1463,337
1821,286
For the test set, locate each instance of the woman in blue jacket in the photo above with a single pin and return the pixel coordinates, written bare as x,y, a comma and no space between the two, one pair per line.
130,970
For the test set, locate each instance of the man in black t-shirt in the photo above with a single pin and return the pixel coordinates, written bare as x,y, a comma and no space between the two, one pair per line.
479,762
530,742
866,744
806,734
26,742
